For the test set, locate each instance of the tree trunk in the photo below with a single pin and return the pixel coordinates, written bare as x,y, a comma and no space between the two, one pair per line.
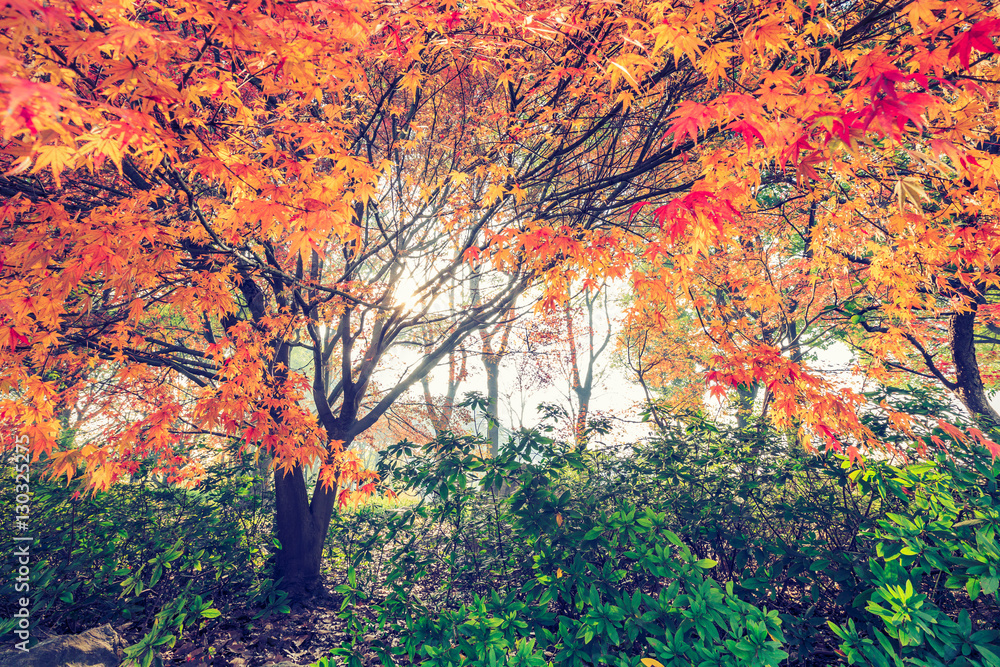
745,398
493,395
492,358
583,393
580,419
584,387
301,527
968,380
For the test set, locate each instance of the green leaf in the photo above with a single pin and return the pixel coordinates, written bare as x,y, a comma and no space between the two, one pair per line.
670,535
992,658
972,586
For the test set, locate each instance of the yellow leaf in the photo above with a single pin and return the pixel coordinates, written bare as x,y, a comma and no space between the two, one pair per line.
649,662
57,157
102,146
412,81
628,75
910,190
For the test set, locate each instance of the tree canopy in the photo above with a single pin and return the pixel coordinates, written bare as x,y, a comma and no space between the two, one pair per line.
222,218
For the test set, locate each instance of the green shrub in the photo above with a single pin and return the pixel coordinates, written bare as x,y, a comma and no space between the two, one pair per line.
584,584
144,552
594,557
934,561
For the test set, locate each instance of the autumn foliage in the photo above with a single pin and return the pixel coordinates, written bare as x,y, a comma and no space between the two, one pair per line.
221,221
846,193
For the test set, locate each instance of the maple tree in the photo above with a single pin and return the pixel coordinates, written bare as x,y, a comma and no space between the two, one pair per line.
213,210
848,173
263,227
223,219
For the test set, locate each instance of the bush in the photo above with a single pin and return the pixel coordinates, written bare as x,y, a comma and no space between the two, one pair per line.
935,563
156,555
610,586
703,546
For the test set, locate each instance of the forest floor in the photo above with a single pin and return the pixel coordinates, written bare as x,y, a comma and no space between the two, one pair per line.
308,632
299,637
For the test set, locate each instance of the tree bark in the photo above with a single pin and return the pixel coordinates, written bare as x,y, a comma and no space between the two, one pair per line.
746,396
583,386
492,358
301,527
491,363
968,380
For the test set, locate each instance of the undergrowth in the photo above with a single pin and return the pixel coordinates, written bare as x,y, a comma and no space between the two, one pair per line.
146,553
700,547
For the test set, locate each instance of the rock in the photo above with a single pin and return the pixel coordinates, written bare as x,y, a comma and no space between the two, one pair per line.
97,647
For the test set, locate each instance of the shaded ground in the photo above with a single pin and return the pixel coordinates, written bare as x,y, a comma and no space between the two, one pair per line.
300,637
308,633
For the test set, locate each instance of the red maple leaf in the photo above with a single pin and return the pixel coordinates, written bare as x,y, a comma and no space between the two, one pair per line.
635,208
979,37
692,117
749,131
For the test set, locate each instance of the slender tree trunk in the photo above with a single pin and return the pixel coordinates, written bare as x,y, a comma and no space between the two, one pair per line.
492,357
583,385
492,365
583,395
745,398
580,419
440,416
438,423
